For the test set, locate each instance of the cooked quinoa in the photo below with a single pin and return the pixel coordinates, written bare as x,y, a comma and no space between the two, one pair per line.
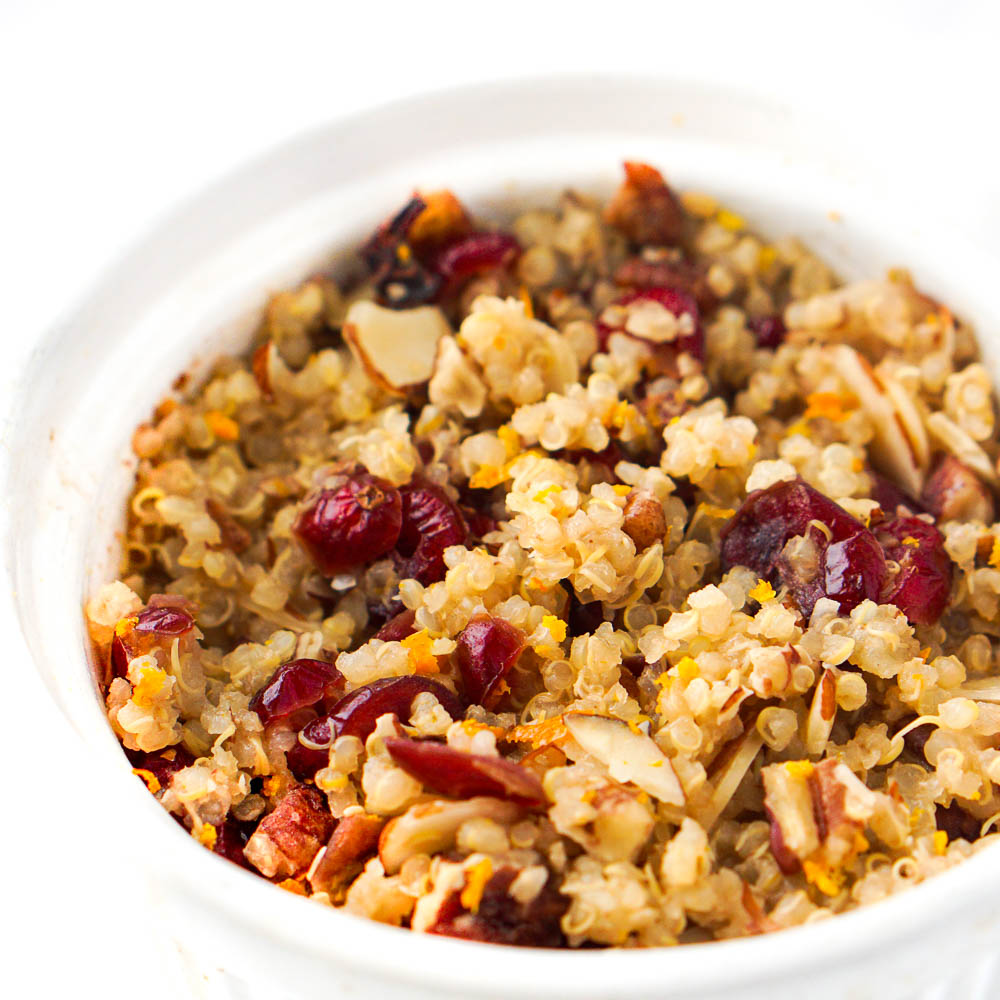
618,578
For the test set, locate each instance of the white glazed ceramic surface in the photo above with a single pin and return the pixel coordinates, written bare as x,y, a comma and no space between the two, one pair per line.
191,290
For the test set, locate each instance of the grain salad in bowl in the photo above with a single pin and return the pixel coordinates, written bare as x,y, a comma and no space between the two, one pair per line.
617,577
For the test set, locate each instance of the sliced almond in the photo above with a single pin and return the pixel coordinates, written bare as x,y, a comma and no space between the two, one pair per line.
430,827
962,446
396,347
628,755
900,445
822,712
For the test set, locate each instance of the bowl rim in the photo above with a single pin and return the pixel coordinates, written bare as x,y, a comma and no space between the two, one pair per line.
443,962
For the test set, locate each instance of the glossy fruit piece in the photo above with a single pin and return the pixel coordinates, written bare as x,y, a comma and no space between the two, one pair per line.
464,775
849,566
500,919
154,627
923,585
486,650
163,764
430,524
398,627
890,497
350,523
357,712
769,331
230,839
305,761
294,685
674,301
401,280
644,208
474,254
680,274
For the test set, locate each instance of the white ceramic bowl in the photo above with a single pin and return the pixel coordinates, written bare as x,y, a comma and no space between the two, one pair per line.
191,289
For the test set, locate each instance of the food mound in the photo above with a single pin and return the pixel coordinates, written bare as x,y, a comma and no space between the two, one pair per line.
615,578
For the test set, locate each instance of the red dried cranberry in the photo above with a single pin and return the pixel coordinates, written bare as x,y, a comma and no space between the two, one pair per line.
357,712
398,627
350,524
165,617
464,775
230,839
474,254
164,621
644,208
163,764
297,684
401,280
923,585
430,524
850,566
957,823
674,301
305,761
890,497
478,523
486,650
607,458
584,618
501,919
679,274
769,330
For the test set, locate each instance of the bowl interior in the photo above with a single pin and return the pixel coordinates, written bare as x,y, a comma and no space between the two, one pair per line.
194,288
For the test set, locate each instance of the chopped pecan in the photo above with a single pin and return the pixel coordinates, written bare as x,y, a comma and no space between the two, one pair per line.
234,536
286,841
644,521
354,837
644,208
953,492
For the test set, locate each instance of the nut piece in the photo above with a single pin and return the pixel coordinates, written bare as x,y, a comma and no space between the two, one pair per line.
430,827
644,521
628,755
287,839
955,493
355,836
396,347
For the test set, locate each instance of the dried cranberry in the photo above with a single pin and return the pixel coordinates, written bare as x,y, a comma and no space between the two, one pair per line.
350,524
674,301
398,627
957,823
644,208
401,280
297,684
501,919
478,523
923,585
474,254
230,839
305,761
486,650
584,618
163,764
164,621
680,274
464,775
769,330
606,459
850,566
890,497
164,618
357,712
430,524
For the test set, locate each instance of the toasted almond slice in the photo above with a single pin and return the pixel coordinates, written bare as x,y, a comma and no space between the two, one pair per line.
892,448
627,754
962,446
396,347
819,722
430,827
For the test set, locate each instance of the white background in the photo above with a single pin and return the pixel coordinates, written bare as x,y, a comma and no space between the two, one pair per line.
112,112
